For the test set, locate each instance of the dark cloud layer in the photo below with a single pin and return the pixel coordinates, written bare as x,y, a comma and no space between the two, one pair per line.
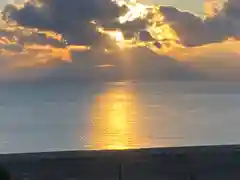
188,26
71,18
194,31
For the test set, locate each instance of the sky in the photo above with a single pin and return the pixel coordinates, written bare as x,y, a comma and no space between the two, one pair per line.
209,57
191,5
3,2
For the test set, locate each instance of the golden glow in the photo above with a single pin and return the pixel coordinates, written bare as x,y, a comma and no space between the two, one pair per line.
114,119
78,48
46,53
4,40
115,35
52,35
212,7
136,11
162,31
231,39
159,29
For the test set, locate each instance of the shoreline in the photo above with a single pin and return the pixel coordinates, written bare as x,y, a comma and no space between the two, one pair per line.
181,163
141,151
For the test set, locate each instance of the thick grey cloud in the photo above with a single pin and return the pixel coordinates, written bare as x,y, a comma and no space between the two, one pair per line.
71,18
194,31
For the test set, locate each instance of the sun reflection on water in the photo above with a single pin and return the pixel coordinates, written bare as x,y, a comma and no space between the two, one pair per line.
115,113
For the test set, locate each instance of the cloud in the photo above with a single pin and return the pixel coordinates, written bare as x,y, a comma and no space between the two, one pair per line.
195,31
189,27
209,62
201,59
71,18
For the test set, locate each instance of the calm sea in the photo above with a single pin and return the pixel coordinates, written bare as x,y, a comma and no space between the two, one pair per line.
61,116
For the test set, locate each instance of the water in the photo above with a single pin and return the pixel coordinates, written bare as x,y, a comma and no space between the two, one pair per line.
120,115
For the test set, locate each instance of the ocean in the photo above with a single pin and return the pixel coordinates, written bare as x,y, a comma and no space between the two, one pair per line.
59,116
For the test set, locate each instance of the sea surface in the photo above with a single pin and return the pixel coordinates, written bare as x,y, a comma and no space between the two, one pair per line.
58,116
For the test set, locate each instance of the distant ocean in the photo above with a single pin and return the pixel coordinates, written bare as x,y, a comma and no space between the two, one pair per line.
50,116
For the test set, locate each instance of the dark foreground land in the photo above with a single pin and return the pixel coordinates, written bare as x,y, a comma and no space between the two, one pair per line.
188,163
